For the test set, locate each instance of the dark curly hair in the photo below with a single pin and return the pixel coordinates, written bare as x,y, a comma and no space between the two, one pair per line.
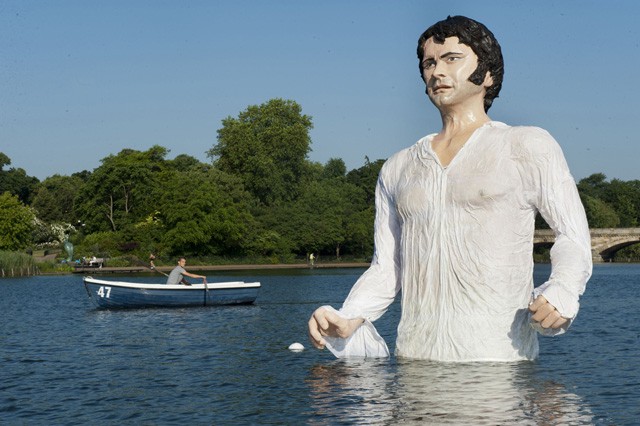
480,40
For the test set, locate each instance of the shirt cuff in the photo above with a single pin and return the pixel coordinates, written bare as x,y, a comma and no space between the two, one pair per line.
563,300
365,342
549,331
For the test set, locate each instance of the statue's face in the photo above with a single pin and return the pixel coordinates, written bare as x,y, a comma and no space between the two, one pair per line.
446,69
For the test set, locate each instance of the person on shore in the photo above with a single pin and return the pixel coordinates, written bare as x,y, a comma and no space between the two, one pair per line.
152,258
454,225
177,274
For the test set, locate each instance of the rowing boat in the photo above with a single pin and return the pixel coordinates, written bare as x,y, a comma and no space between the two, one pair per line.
119,294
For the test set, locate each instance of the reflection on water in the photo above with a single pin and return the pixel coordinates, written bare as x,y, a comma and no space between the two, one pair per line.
412,391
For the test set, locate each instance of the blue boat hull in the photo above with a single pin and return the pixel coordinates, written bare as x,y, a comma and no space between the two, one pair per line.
113,294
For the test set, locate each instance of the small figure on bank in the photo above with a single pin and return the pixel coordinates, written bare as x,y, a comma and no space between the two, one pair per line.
177,274
312,259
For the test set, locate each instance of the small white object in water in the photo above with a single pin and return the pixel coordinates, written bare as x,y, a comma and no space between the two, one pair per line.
296,347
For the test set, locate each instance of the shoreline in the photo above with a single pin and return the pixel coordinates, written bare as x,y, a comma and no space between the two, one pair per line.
235,267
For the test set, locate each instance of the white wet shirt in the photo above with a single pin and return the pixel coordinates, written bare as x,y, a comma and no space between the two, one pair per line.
457,241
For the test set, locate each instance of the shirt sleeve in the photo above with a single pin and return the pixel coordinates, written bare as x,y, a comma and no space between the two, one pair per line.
376,289
553,191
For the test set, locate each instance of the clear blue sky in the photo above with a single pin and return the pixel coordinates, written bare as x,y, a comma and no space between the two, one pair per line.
80,80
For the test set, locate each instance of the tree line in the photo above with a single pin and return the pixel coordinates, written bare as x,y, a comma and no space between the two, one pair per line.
259,197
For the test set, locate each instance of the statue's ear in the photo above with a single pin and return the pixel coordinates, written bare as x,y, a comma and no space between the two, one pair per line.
488,80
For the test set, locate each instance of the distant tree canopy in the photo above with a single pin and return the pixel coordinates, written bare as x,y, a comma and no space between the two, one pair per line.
16,223
260,196
366,177
16,181
204,212
335,168
55,198
610,204
4,160
266,146
119,191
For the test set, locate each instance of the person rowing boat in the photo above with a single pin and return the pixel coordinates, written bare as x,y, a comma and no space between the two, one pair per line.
177,274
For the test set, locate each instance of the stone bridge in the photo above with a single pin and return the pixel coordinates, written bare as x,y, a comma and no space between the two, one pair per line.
604,241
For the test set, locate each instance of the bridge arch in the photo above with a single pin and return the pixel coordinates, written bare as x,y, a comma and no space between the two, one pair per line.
608,254
605,242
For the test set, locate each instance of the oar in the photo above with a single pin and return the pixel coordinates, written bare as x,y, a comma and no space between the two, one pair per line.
206,287
153,268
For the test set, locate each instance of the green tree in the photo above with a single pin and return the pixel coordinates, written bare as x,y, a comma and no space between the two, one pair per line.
118,192
16,223
325,218
360,233
357,191
266,146
594,186
617,195
185,162
366,177
599,214
625,199
54,199
205,213
4,160
16,181
335,168
333,214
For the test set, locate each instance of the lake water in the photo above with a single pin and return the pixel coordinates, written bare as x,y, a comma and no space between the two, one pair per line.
65,362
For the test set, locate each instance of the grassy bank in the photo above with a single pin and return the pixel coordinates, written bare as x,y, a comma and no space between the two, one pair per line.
16,264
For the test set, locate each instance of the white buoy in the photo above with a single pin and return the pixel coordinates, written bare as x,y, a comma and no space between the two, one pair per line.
296,347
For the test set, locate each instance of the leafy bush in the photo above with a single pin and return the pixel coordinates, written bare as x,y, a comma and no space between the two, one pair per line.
100,244
53,267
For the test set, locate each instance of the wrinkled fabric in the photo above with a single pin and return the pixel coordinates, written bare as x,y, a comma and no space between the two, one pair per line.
366,343
458,241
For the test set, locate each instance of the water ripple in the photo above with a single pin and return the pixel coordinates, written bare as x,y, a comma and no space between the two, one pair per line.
64,362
